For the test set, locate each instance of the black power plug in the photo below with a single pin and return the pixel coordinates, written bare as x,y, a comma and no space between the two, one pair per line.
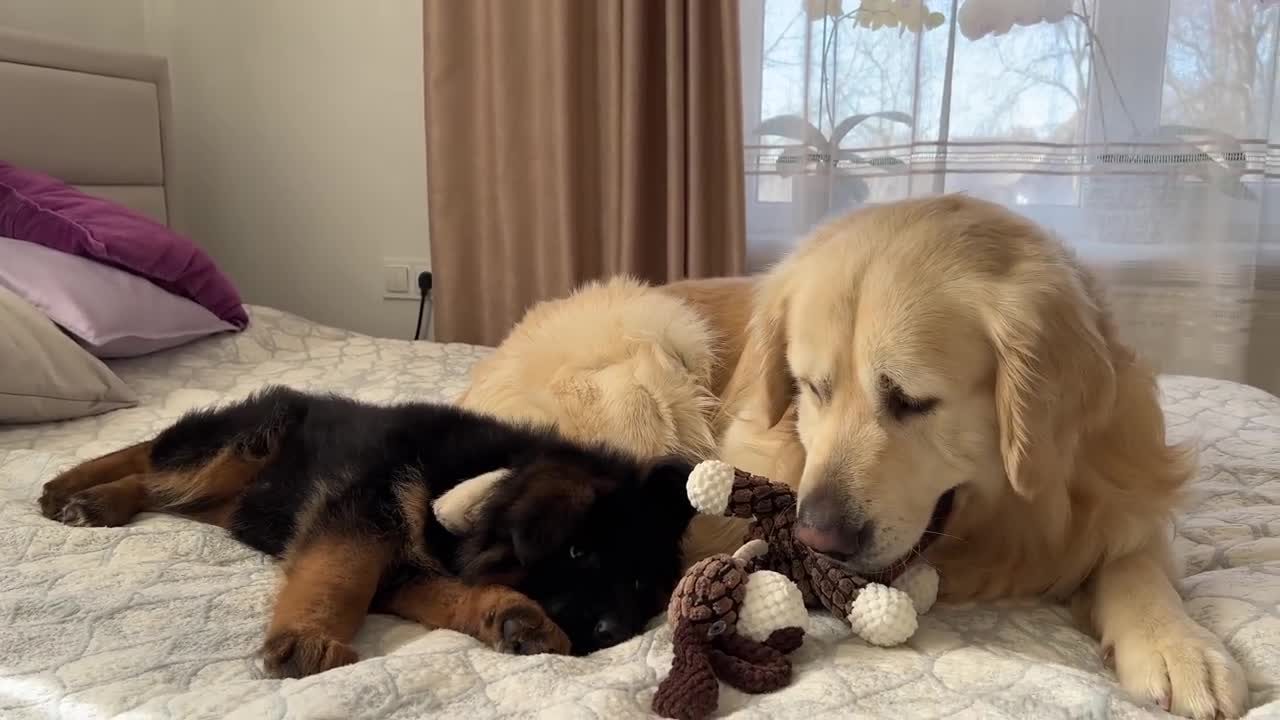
424,292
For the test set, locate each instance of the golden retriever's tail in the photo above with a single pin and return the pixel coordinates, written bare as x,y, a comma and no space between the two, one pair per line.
647,403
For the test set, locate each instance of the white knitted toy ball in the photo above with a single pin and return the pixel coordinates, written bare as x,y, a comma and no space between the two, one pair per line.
771,602
709,487
920,581
882,615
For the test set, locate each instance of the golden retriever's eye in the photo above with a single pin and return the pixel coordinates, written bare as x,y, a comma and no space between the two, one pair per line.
814,389
899,404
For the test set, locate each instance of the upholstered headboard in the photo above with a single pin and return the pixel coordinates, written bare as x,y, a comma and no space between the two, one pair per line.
97,119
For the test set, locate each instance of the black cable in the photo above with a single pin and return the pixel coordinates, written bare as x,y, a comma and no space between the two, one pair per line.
422,304
424,294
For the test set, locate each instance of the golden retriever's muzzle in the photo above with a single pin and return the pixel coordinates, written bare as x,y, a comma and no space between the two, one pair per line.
826,524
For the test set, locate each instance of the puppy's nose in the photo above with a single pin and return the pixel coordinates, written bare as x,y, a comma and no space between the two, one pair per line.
824,524
609,632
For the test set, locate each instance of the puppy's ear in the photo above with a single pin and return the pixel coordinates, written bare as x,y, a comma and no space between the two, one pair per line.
761,388
1055,379
668,474
458,509
546,514
665,493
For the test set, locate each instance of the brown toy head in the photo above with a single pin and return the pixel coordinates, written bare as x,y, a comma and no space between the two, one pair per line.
710,593
703,614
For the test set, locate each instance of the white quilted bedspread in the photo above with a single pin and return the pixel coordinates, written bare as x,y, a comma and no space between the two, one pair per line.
161,618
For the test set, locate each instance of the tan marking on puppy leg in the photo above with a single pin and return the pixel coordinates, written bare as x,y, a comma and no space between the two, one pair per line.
108,505
329,583
498,616
116,503
132,460
415,507
221,479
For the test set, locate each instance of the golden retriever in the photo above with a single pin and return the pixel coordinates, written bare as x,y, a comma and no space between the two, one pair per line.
940,376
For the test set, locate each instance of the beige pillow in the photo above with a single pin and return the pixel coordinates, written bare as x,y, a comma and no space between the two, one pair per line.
45,375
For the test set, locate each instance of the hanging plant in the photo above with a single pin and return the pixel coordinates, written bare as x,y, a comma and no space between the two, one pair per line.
913,15
819,9
979,18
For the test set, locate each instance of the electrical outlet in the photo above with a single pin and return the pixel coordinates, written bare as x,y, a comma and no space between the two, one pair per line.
393,268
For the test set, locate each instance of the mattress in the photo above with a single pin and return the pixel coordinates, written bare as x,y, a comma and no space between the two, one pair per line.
160,619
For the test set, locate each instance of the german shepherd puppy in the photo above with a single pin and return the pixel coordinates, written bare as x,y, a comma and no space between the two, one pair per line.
575,550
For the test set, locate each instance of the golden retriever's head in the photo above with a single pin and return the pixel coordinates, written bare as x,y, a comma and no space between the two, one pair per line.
937,352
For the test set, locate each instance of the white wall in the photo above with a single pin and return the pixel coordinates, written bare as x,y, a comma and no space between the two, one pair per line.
301,147
116,24
299,131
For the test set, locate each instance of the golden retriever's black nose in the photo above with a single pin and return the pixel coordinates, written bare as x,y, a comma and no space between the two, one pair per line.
824,524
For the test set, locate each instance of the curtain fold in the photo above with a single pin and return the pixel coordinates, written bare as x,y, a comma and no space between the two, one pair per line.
1145,133
576,139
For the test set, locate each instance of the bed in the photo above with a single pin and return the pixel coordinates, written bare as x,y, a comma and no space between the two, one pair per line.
160,619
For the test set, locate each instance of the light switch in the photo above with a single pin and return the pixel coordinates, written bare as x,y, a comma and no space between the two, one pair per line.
396,278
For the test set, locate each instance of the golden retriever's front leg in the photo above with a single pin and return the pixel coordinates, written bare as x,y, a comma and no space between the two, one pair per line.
1161,654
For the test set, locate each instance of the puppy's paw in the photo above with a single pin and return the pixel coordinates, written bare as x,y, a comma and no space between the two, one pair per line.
524,629
54,496
1184,669
296,653
91,509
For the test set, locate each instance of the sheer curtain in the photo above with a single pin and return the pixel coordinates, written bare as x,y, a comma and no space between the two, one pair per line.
1146,133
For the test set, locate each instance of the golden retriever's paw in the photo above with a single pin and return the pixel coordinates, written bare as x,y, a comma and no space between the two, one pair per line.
295,654
1185,670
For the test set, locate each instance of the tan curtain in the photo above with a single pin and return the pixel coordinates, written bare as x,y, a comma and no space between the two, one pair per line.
575,139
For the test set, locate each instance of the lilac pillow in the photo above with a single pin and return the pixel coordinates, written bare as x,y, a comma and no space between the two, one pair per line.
41,210
111,312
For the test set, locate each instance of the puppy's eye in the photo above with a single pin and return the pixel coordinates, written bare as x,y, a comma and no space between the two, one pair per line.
901,405
576,553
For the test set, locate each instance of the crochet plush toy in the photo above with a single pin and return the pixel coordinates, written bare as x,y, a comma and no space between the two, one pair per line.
880,614
729,622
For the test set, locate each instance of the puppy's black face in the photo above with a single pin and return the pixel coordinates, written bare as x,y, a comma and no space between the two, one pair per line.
596,541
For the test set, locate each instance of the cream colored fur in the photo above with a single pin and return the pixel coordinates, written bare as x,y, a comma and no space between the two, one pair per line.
616,361
1047,425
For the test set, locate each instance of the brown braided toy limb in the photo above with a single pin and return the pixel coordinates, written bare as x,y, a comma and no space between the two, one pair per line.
879,614
690,691
731,622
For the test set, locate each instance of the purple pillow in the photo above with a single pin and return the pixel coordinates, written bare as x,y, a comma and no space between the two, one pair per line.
41,210
111,312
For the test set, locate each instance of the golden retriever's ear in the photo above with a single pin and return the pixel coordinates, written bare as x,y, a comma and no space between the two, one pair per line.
1054,377
762,388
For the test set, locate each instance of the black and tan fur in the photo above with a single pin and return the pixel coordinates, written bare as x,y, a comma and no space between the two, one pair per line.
577,547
